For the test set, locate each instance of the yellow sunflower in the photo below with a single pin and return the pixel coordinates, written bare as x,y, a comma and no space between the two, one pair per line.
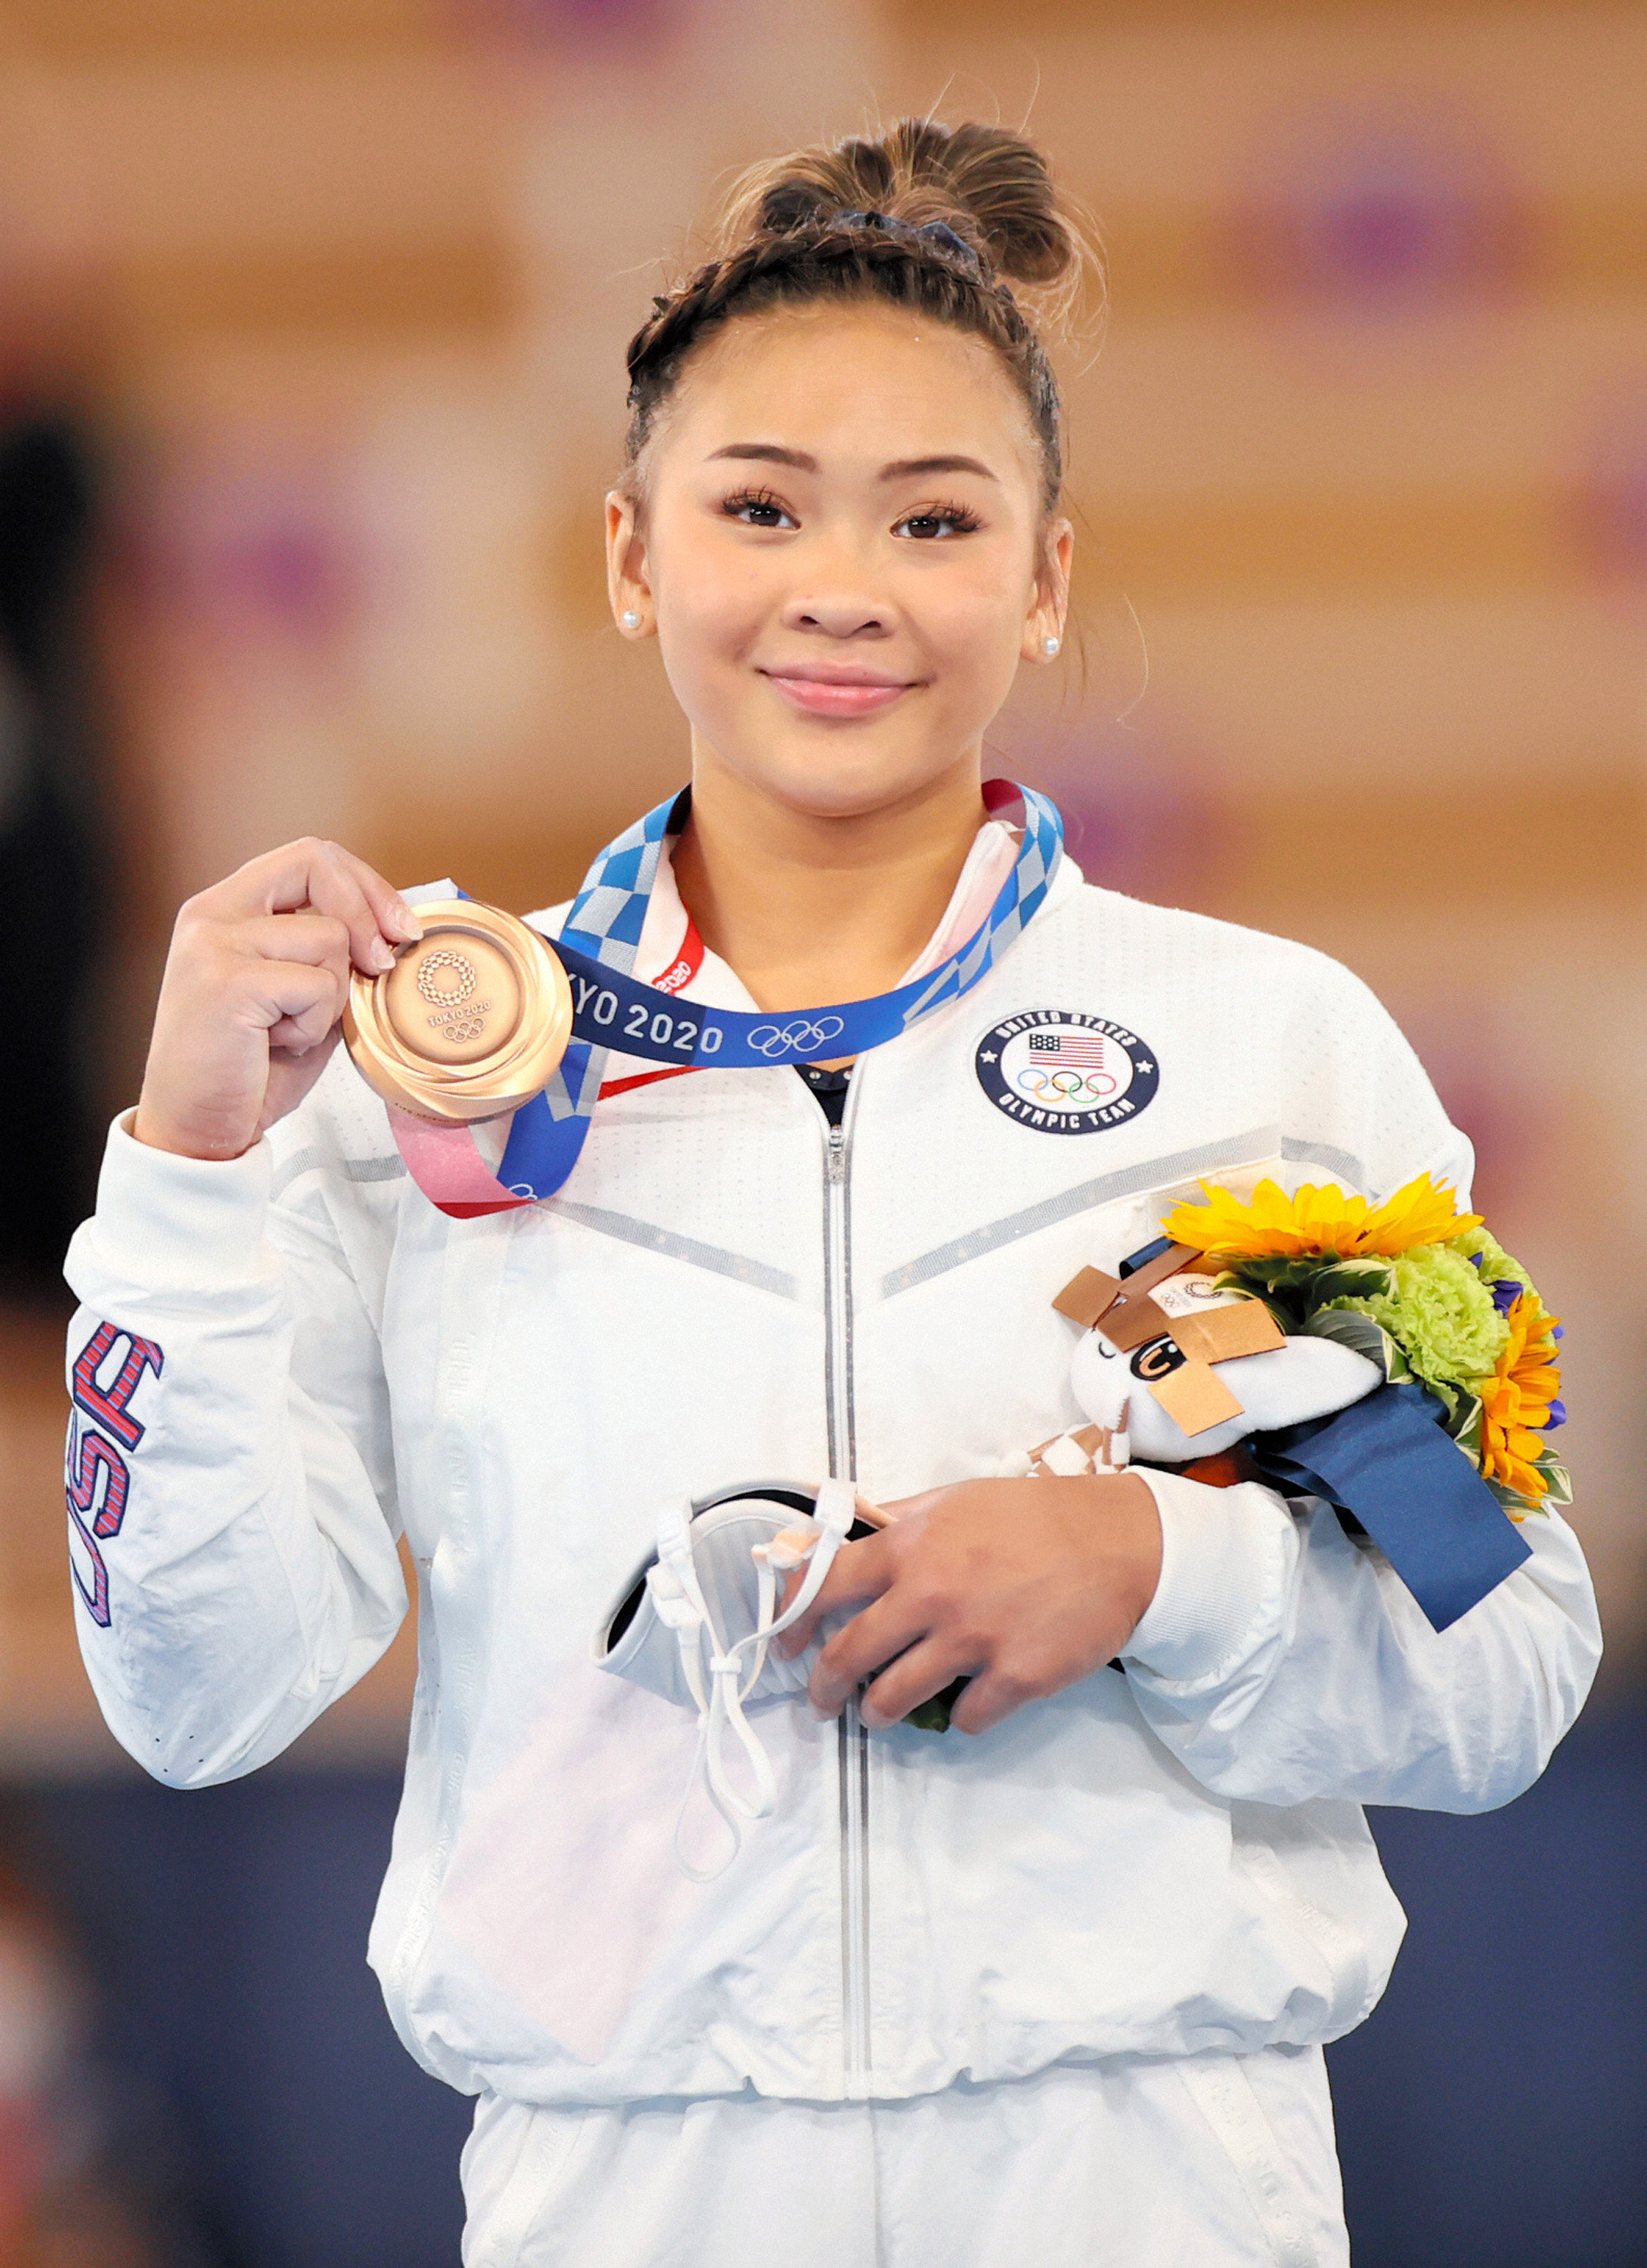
1516,1401
1317,1223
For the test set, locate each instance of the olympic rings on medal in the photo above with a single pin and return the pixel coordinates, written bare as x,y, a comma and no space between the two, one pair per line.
802,1038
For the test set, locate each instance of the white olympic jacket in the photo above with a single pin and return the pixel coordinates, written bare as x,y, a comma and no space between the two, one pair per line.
285,1362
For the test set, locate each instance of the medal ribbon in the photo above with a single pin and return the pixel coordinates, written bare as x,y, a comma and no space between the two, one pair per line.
611,1008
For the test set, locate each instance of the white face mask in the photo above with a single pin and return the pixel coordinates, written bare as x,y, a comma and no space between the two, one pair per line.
695,1625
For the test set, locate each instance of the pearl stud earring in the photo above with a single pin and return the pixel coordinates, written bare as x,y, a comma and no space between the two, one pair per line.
1049,646
631,620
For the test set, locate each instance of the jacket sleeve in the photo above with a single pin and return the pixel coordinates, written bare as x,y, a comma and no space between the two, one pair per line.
232,1521
1282,1660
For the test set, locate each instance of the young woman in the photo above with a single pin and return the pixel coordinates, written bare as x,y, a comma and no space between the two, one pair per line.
1053,1985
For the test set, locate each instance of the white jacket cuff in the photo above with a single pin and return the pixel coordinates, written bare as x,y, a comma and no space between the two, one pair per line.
169,1223
1226,1557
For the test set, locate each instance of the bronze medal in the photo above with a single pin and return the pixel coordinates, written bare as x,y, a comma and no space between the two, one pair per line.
470,1023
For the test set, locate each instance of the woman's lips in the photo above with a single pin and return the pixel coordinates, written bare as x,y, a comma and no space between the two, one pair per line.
837,696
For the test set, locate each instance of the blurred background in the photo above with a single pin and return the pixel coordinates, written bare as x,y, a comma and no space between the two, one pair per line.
312,315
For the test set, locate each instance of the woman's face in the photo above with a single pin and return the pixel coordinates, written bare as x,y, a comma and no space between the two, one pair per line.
842,550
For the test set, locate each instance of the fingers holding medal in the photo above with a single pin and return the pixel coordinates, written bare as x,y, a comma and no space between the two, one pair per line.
255,982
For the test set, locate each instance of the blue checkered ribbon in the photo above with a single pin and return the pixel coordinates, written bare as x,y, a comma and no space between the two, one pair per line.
612,1009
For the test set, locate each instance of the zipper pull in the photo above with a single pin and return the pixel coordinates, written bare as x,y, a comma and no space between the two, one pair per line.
835,1169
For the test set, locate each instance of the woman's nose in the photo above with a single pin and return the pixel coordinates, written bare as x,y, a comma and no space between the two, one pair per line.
837,616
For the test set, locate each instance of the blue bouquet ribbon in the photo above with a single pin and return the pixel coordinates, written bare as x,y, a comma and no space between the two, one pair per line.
1388,1462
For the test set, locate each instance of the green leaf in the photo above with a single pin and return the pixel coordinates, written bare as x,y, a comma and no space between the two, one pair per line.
1559,1488
1466,1425
1269,1271
1516,1504
1287,1314
1348,1327
1351,1279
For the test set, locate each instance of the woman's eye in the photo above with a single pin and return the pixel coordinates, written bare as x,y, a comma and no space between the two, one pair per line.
758,512
926,526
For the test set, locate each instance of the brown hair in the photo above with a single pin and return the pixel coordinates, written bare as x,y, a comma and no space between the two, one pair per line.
941,220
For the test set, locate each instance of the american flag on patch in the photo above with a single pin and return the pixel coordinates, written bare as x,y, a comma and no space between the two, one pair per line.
1083,1050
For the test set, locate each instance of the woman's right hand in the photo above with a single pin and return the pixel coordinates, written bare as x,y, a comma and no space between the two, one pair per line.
254,984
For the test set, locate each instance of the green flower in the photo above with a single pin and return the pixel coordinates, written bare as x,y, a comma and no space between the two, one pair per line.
1440,1313
1496,1265
1491,1261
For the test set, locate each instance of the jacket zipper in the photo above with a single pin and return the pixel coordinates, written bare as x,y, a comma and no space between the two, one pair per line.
854,1738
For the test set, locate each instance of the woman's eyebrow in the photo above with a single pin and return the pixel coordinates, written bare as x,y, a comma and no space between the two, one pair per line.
907,468
769,453
765,453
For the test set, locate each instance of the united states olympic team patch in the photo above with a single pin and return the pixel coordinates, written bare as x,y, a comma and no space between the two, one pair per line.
1064,1073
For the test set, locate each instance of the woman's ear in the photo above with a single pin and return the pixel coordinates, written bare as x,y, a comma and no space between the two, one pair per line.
1049,605
627,583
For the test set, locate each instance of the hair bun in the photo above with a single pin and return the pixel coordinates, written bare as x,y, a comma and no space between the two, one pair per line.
993,188
1001,184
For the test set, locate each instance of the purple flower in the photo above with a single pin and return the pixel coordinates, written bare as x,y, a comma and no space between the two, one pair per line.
1505,1293
1559,1332
1557,1416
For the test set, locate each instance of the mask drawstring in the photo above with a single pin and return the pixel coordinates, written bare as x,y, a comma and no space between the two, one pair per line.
678,1598
833,1514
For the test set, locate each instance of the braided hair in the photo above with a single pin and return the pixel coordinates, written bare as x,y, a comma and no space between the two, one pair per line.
939,220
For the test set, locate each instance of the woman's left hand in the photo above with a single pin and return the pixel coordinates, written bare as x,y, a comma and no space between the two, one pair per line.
1023,1586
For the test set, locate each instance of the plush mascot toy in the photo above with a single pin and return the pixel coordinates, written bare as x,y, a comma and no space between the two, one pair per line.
1169,1369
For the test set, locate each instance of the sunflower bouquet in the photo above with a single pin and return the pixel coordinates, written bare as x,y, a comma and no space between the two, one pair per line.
1355,1347
1422,1291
